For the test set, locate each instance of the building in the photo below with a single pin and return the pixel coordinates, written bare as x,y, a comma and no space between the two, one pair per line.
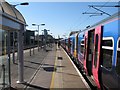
29,38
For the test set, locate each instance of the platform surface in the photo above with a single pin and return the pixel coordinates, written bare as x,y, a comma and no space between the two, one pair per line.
51,69
66,75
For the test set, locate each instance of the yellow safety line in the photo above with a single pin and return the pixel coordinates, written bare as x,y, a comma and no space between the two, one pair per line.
53,74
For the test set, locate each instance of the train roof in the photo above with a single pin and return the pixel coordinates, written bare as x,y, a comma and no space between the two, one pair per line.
104,21
73,32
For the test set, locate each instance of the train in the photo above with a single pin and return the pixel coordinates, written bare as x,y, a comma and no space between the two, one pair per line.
96,50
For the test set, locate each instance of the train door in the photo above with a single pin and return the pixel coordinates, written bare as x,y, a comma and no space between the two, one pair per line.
86,49
89,44
73,45
90,51
96,55
69,45
76,46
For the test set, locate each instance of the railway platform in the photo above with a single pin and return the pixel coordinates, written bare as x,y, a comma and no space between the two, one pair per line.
48,70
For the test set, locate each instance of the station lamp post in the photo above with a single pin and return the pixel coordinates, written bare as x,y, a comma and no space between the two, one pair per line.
25,3
38,32
51,36
45,35
51,40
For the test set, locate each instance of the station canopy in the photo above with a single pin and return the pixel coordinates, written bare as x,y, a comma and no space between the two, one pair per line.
10,10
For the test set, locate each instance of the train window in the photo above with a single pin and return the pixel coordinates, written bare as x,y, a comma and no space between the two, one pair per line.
73,45
107,58
118,60
96,51
82,42
107,43
82,47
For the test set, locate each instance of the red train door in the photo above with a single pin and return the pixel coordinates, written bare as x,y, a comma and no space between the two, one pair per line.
89,44
86,50
96,54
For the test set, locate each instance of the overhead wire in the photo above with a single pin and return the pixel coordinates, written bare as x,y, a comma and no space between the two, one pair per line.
103,5
86,19
80,17
74,28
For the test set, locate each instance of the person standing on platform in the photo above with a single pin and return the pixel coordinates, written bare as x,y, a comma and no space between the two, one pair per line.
58,44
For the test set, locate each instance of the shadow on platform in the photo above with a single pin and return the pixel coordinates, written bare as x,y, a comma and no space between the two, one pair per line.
47,50
9,88
32,62
34,87
29,67
49,69
60,58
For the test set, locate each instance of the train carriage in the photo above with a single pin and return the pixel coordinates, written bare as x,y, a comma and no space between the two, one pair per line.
63,43
66,45
97,51
74,45
109,53
101,50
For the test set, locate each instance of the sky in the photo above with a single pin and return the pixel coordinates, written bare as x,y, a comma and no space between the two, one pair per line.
62,17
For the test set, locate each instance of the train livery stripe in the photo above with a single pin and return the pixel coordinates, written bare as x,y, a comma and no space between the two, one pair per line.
106,47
